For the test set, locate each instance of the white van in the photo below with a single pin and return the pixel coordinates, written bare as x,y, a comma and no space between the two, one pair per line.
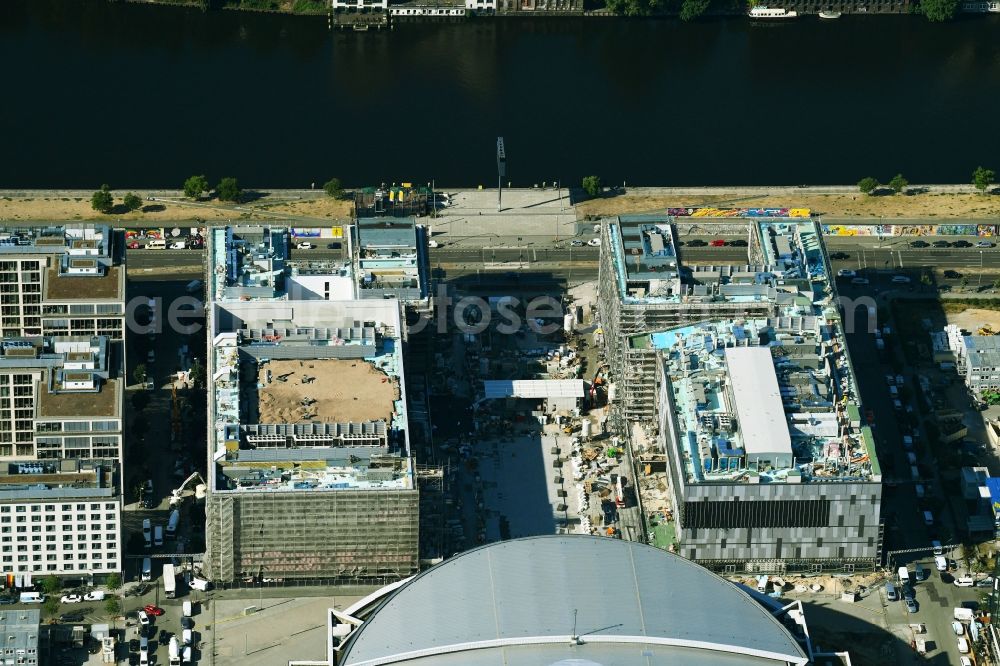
964,581
147,532
762,584
904,575
158,535
187,609
187,637
156,244
147,569
963,614
940,563
32,598
186,655
175,518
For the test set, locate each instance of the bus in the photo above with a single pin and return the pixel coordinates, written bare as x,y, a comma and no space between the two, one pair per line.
169,581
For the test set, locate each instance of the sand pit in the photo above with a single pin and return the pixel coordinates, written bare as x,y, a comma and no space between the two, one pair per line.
972,318
343,390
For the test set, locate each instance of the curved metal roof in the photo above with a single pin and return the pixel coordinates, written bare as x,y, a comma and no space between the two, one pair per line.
570,599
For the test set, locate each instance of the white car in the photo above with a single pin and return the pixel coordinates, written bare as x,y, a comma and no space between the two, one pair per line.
963,646
433,243
577,243
900,279
94,595
143,618
71,599
958,628
984,244
594,242
964,581
304,246
151,356
964,661
859,281
846,273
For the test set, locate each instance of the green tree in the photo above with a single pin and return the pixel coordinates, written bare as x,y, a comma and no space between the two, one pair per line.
113,581
112,606
996,285
692,9
982,178
333,188
51,606
132,201
197,373
592,185
964,282
939,10
925,280
51,584
867,185
228,189
898,183
102,201
139,373
633,7
195,186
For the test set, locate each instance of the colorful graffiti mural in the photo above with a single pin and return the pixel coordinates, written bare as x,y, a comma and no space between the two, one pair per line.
738,212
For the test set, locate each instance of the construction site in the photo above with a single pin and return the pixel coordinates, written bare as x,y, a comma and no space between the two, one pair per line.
323,390
311,475
736,383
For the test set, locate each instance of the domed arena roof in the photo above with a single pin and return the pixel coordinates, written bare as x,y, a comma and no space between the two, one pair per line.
570,601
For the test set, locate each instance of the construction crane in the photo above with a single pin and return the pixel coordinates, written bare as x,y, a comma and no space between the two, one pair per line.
177,494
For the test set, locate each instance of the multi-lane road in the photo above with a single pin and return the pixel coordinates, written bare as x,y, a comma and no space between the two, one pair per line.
861,253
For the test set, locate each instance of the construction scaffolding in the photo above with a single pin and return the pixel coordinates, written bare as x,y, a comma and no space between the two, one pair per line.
341,534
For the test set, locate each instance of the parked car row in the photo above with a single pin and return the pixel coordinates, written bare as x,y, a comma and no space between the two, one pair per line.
190,242
959,244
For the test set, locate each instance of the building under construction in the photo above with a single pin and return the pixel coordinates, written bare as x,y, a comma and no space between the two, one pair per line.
642,287
769,467
311,475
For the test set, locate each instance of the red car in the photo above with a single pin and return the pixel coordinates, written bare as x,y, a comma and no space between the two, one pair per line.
153,610
718,242
133,245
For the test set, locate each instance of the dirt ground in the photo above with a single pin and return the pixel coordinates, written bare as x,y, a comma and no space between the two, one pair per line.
344,390
972,318
942,206
78,208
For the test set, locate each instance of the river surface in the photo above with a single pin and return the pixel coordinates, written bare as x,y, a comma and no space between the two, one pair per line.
143,96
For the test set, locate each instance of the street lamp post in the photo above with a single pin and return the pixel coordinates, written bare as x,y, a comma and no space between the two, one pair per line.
980,272
501,171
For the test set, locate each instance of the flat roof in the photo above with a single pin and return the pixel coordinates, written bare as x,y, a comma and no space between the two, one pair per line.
79,287
79,403
533,388
758,401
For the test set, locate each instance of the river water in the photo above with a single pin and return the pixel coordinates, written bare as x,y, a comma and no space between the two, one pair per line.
143,96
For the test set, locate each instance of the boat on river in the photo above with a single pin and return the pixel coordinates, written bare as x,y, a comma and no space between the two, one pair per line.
771,13
829,16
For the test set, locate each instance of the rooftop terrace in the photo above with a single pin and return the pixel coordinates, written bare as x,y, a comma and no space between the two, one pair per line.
107,285
103,402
